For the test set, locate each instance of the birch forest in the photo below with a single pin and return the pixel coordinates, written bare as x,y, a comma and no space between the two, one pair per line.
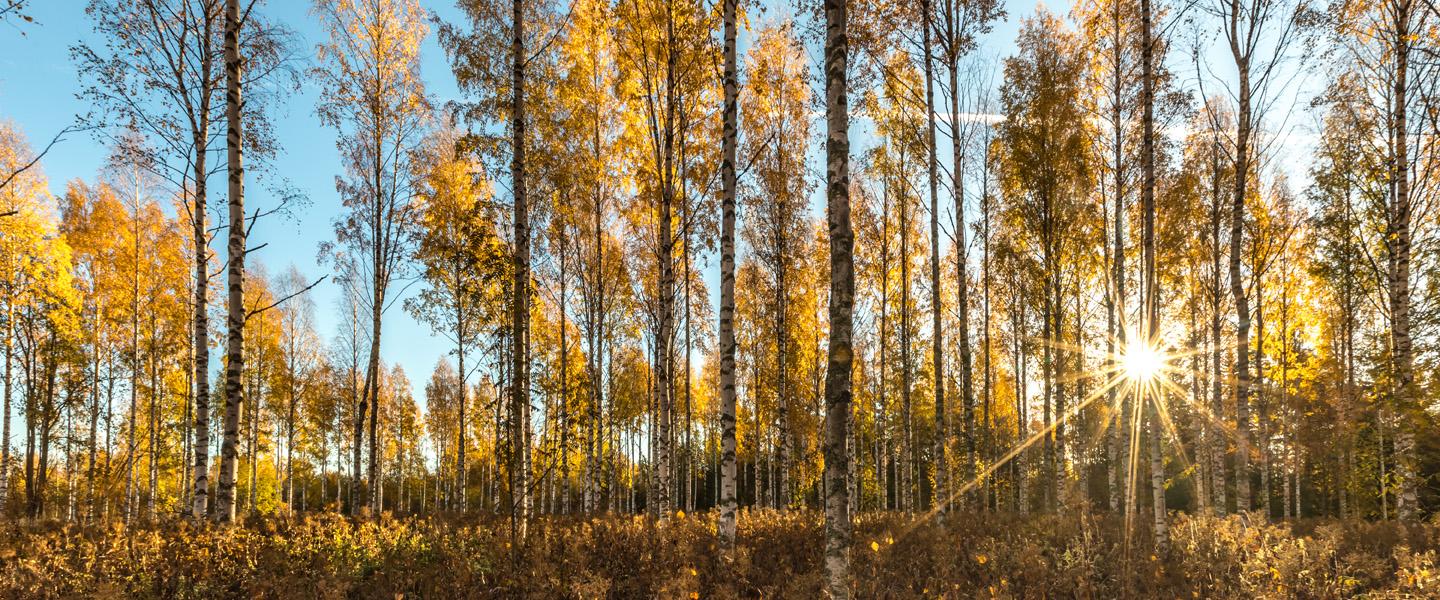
720,298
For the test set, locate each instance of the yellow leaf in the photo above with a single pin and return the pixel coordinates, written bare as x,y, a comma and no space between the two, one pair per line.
874,546
981,558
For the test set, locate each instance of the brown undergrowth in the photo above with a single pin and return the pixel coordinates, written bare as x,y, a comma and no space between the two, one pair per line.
973,556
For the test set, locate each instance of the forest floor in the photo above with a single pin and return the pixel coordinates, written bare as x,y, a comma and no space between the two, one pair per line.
986,555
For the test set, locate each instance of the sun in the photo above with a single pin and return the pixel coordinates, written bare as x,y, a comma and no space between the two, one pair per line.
1142,362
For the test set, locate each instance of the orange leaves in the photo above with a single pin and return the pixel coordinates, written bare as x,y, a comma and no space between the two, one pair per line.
1001,556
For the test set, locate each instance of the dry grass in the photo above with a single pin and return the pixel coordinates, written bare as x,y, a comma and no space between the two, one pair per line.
983,555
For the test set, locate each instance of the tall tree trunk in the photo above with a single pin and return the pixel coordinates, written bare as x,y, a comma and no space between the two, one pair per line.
152,432
1020,366
46,416
564,487
842,302
941,494
69,453
1262,405
730,119
374,373
782,375
30,426
988,368
1244,499
462,474
1060,462
90,513
130,489
1152,294
9,390
359,500
520,309
689,457
595,337
200,330
235,299
882,451
908,453
962,256
1347,417
1398,236
1287,463
663,459
1118,461
185,479
1151,283
252,443
1217,395
290,427
1048,332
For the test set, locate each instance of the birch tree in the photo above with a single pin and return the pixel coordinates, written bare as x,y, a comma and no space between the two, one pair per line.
839,366
373,95
731,120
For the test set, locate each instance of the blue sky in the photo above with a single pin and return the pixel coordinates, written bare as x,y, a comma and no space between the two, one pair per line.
38,83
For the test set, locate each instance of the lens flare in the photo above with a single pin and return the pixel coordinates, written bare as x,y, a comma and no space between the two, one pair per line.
1142,363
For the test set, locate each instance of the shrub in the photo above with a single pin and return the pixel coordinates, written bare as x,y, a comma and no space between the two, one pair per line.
989,555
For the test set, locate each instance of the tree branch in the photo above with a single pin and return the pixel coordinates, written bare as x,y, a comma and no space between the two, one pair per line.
276,303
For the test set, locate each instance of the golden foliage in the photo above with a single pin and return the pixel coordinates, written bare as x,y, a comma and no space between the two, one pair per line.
777,556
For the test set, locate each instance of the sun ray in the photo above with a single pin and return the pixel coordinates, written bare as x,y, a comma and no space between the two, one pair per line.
1135,373
1014,452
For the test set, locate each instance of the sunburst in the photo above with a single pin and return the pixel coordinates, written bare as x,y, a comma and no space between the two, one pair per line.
1143,363
1136,374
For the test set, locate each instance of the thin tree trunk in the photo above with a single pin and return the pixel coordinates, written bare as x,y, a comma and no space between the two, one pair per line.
782,375
235,300
374,498
1217,396
520,309
1020,365
993,500
290,430
1398,238
882,456
462,474
46,417
842,302
152,433
1118,462
941,495
94,418
200,331
1348,424
962,257
1244,499
730,119
1262,406
564,484
1151,282
908,454
130,490
9,389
